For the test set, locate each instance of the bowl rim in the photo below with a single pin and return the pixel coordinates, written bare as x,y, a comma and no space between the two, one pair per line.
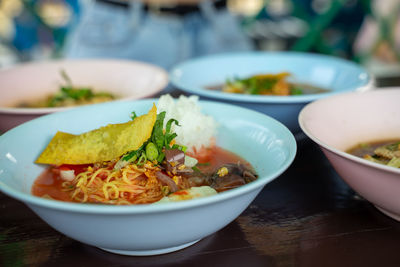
175,79
334,150
30,199
129,63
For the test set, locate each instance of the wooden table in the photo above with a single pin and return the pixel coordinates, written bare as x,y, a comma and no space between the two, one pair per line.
306,217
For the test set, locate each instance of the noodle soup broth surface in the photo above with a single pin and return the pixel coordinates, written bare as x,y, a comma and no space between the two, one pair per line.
49,184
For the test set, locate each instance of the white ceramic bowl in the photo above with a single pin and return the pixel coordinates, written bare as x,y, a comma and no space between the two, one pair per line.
33,81
328,72
341,122
144,229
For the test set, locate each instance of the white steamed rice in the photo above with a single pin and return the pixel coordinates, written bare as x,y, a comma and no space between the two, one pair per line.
197,129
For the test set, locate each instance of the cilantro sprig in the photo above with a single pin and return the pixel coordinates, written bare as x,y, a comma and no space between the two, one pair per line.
154,148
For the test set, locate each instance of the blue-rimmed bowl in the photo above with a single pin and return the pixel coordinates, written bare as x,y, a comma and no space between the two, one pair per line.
335,74
153,228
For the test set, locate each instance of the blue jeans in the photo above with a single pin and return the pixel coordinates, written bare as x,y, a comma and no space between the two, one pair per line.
107,31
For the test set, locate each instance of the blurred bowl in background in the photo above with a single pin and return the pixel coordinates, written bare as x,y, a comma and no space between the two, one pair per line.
146,229
340,123
335,74
29,82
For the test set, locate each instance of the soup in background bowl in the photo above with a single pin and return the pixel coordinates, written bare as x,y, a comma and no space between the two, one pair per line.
267,84
147,229
383,152
340,123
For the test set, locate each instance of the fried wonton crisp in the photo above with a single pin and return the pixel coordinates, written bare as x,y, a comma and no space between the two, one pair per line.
103,144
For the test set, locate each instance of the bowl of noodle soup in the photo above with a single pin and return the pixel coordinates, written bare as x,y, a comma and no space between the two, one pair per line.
33,89
152,228
323,75
365,152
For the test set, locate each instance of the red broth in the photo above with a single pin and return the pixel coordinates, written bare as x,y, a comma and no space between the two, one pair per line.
49,183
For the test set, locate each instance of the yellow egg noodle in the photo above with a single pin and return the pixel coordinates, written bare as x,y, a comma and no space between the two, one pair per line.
131,184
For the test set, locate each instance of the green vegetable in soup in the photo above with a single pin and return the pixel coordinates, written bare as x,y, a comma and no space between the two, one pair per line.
70,95
384,152
266,84
154,148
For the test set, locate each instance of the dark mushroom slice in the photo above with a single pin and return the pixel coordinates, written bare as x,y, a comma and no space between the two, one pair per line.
231,176
165,179
199,179
227,182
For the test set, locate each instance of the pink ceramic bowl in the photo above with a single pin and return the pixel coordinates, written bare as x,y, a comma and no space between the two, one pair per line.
341,122
128,80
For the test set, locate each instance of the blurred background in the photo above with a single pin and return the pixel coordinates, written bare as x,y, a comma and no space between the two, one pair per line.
363,31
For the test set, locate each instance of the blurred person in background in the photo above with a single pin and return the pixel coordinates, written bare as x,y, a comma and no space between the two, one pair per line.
377,45
166,32
162,32
34,29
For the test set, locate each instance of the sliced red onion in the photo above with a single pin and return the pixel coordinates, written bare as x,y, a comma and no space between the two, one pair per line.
175,155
